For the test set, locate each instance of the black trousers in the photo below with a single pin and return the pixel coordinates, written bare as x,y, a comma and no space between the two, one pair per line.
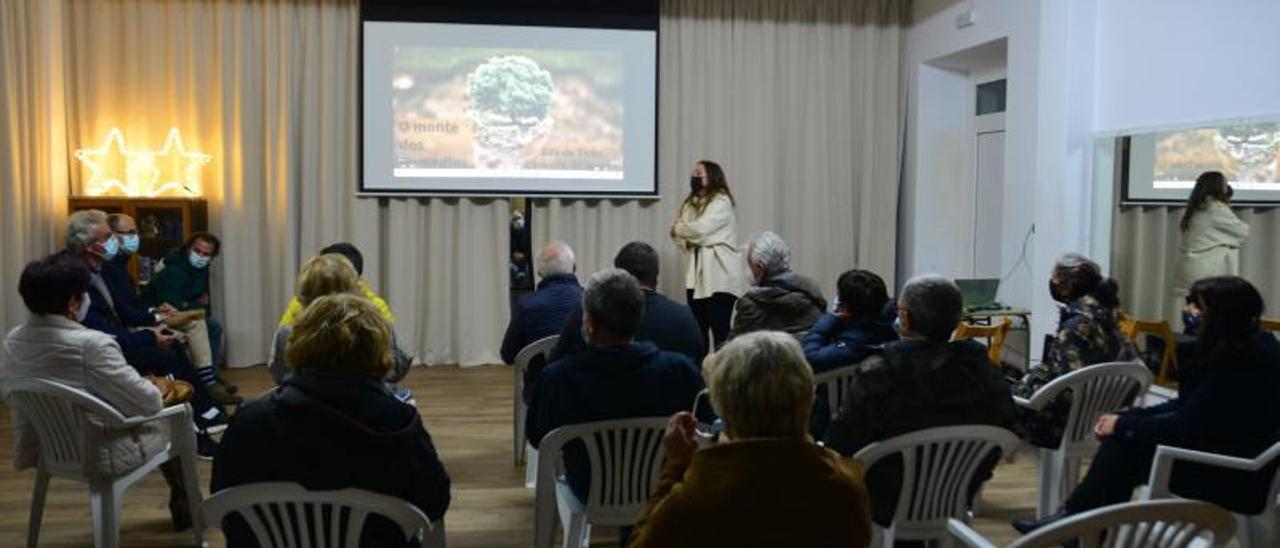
712,313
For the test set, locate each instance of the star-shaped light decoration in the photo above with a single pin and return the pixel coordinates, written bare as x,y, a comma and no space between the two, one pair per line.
107,165
173,170
178,169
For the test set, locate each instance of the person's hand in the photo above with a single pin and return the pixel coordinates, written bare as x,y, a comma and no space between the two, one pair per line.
1105,426
164,337
678,444
165,309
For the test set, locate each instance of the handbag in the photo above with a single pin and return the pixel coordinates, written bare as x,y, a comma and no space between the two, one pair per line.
172,391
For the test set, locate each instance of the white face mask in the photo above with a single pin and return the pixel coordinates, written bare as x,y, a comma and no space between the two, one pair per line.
84,307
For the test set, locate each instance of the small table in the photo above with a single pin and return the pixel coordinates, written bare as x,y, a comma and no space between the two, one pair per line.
985,317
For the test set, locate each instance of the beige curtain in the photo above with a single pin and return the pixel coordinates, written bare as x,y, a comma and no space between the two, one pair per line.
799,101
33,159
1144,261
269,89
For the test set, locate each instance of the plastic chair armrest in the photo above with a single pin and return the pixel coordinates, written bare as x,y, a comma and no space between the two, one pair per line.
966,535
172,410
1162,467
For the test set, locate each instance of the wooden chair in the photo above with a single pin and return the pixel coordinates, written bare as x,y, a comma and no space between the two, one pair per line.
1271,324
994,334
1132,328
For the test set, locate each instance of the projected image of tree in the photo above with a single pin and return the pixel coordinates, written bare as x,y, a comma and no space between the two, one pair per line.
508,111
1249,155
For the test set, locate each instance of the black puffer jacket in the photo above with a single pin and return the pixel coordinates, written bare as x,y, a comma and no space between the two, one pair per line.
331,431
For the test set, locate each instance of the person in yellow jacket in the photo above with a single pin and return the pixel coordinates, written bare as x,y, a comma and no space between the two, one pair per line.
357,260
705,232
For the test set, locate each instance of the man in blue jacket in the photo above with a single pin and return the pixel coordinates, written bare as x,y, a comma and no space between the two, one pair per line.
860,323
542,313
147,347
667,324
616,377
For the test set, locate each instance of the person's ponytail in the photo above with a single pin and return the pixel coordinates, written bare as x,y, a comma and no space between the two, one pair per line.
1107,293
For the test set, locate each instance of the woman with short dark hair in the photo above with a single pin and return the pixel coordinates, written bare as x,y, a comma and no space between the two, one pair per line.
1226,404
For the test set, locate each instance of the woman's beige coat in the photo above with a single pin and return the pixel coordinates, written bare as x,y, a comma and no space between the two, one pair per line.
708,244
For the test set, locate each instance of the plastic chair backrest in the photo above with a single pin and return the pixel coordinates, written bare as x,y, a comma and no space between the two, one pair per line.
839,383
1150,524
541,347
625,457
59,414
285,515
1095,391
938,467
1166,456
995,335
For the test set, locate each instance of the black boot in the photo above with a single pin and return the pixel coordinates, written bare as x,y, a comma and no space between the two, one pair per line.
1026,526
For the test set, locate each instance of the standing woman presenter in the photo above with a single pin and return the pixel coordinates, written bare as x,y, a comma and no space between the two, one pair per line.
1212,234
705,231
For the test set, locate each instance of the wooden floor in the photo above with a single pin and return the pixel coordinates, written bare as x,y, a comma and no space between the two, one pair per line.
468,412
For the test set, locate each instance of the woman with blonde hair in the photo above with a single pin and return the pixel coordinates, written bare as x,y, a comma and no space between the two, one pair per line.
332,424
705,231
766,483
322,275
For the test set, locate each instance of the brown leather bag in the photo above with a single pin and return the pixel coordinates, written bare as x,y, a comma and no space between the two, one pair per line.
172,391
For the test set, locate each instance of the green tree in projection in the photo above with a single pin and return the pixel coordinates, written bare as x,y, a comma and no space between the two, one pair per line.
509,103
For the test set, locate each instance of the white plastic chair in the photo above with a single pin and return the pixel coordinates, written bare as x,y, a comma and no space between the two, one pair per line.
938,467
1149,524
60,414
625,457
286,515
1095,390
839,382
1254,531
520,448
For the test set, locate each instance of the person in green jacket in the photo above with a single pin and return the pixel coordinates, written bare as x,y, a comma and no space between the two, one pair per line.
183,284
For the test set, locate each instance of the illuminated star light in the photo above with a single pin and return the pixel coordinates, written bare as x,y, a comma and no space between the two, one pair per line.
99,160
177,168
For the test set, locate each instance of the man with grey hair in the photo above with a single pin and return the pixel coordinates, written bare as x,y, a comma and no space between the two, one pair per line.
149,347
922,381
781,299
543,313
615,377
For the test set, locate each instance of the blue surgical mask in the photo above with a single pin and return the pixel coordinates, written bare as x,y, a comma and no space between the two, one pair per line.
197,260
110,248
1192,322
130,243
84,308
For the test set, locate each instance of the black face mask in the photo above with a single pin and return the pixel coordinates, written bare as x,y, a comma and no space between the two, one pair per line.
1058,292
695,183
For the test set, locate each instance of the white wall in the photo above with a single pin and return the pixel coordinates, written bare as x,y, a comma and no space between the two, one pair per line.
1076,69
1169,63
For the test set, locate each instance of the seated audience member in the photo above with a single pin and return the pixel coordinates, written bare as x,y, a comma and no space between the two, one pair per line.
353,255
333,425
53,345
153,349
190,329
183,283
848,336
667,324
765,470
781,299
322,275
1087,335
1226,404
616,377
543,313
922,381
